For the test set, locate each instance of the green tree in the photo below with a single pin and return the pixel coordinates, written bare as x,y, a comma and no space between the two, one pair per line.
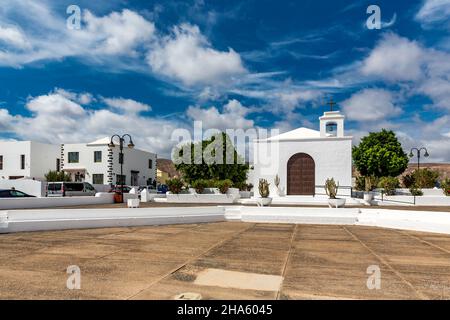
212,159
380,154
55,176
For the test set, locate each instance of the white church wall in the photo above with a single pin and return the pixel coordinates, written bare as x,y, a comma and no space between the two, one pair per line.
332,158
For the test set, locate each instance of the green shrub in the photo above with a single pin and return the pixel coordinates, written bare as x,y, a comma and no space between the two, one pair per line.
224,185
175,185
200,185
408,180
57,176
425,178
445,185
389,184
242,186
360,183
421,178
415,191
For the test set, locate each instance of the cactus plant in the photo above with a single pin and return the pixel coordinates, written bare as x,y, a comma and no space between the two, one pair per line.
277,181
331,188
264,188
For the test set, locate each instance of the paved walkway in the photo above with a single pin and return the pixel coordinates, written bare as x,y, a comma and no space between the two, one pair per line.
160,262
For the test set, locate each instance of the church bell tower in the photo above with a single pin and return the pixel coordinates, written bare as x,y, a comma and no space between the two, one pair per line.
332,123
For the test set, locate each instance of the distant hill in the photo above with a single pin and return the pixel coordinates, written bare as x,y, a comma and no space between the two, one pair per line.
443,168
166,165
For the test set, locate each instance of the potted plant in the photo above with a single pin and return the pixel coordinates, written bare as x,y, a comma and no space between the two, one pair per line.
264,192
368,187
175,185
199,185
280,191
224,185
331,188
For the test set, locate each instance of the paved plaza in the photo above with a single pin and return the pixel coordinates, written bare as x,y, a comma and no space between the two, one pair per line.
274,261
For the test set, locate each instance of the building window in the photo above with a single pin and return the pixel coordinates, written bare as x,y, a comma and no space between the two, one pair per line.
22,162
97,156
331,129
74,157
1,162
150,163
97,178
58,165
121,179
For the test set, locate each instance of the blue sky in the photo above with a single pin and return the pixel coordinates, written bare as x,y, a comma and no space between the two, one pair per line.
149,67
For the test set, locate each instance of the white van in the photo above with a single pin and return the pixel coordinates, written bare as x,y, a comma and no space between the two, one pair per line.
70,189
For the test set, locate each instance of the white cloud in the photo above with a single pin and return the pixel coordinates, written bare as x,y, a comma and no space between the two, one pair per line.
48,38
5,120
433,11
438,90
394,58
12,36
81,98
187,56
370,105
55,118
118,33
233,116
127,105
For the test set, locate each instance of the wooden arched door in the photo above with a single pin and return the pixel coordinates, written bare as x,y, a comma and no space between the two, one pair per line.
301,175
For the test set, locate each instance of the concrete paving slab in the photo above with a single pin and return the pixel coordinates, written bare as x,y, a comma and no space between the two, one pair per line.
160,262
238,280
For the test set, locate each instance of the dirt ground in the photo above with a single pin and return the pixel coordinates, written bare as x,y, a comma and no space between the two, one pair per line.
160,262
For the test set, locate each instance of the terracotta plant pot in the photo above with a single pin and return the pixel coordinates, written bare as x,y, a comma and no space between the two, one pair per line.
118,198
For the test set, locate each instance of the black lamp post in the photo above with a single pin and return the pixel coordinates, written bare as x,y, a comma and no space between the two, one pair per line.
426,154
121,143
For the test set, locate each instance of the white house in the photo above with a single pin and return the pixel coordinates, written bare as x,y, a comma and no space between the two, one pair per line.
97,163
304,158
27,159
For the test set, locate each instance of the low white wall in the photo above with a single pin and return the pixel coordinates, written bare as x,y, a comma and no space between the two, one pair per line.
426,221
293,215
39,220
29,203
201,198
32,187
420,201
406,192
54,219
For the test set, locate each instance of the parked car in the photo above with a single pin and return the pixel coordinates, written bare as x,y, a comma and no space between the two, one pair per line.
70,189
118,188
12,193
150,189
162,188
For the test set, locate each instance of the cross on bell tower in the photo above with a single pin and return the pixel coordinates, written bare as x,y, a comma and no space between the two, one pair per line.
331,103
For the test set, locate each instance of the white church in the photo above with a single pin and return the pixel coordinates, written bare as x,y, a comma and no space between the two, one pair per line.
304,158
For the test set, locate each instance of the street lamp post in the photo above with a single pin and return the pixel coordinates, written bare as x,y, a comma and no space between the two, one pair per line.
426,154
121,143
